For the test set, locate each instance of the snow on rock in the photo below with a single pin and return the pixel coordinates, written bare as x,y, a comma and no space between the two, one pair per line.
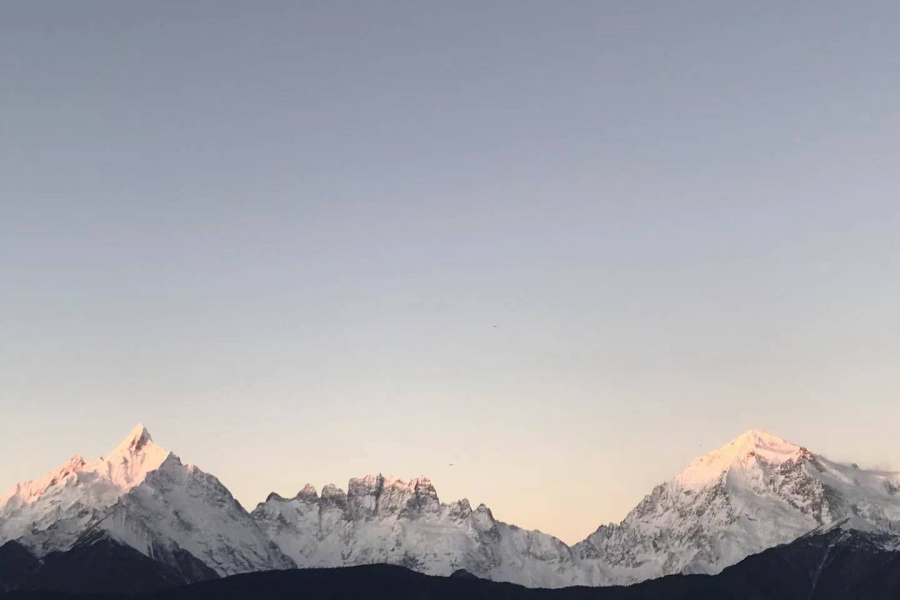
388,520
142,495
50,513
180,508
757,492
706,470
136,456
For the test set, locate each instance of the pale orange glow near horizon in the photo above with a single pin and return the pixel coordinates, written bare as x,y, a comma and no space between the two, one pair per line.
560,501
565,247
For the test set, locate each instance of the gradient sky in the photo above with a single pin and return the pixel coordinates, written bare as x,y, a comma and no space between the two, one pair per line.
566,246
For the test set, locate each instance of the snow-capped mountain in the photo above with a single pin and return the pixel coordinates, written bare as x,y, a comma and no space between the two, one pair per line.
387,520
50,513
179,510
757,492
142,496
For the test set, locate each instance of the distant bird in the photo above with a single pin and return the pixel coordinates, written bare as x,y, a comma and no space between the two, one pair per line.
451,464
494,325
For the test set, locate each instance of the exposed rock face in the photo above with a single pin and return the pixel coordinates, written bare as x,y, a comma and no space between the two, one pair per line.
380,497
757,492
143,496
308,493
180,509
52,512
387,520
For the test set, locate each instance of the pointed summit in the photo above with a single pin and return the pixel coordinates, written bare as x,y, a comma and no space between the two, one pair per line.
141,433
72,497
134,441
771,447
748,446
308,493
133,458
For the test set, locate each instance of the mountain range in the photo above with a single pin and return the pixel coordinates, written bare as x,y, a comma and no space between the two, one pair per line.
835,564
142,510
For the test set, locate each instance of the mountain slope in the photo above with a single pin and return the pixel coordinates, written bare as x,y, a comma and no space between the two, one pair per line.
757,492
179,511
141,496
98,564
50,513
834,565
387,520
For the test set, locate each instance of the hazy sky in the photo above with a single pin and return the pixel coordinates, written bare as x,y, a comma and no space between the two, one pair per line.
566,246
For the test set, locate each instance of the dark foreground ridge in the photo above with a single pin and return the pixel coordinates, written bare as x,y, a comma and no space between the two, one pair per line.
839,564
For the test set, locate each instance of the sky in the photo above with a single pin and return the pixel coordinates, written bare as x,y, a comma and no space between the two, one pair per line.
546,253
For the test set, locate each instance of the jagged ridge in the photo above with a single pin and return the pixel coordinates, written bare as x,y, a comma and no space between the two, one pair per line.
757,492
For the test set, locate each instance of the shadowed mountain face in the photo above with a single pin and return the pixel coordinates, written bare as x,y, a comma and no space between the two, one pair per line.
145,501
17,565
97,564
86,524
835,565
757,492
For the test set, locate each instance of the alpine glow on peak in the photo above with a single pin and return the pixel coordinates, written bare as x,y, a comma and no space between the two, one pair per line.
754,493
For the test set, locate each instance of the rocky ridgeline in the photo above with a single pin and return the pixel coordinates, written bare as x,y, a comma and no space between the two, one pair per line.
757,492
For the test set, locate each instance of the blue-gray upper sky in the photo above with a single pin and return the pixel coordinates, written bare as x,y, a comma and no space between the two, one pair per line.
565,246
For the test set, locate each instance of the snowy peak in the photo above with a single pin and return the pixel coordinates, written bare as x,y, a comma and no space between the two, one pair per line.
51,512
384,519
179,508
372,496
134,441
130,462
27,492
143,496
125,467
774,447
739,452
308,493
380,496
757,492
